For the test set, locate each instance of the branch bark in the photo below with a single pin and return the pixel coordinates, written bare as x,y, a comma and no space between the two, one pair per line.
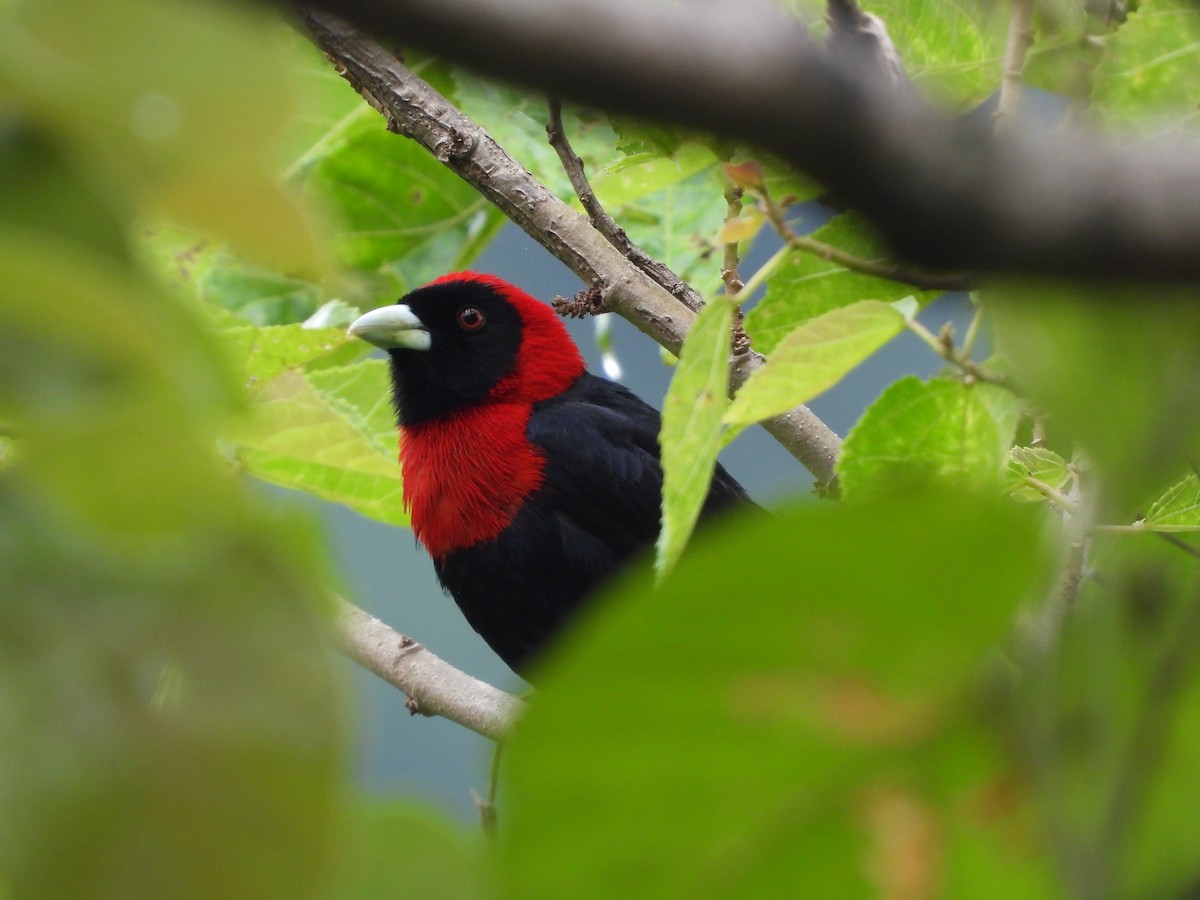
1020,39
436,687
416,110
946,192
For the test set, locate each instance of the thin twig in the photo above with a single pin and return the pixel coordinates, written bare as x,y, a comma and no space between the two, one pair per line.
884,268
487,803
880,268
729,264
606,224
944,347
739,340
436,687
1020,39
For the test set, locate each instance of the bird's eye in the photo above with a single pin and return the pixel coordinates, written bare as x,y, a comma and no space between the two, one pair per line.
471,318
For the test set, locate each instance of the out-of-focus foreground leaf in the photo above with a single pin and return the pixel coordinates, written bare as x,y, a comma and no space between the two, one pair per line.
168,711
789,715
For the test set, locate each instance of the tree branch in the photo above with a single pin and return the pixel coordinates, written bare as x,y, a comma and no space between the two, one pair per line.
437,688
414,109
606,224
947,192
1020,39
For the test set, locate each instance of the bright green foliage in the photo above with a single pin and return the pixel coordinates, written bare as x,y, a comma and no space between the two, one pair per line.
1041,465
813,358
928,432
783,706
667,195
807,285
679,223
951,49
1178,508
326,433
1150,68
263,353
691,432
402,217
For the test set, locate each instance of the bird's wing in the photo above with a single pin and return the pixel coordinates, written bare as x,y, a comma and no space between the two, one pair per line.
603,471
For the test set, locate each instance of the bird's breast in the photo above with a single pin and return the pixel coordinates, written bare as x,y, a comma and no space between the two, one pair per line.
467,474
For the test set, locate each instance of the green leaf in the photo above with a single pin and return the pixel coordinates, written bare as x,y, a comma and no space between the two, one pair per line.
1115,372
263,353
813,358
402,217
46,188
387,850
1178,507
1040,463
802,706
927,432
324,433
691,430
211,273
677,225
950,49
1150,68
1111,720
169,724
180,107
807,285
630,178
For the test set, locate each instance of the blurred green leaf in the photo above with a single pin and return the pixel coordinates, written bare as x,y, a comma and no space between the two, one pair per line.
388,850
806,713
181,103
130,560
928,432
329,433
45,189
691,430
807,285
813,358
211,273
1109,723
1116,371
1149,75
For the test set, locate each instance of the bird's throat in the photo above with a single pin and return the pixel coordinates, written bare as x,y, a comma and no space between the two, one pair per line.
467,474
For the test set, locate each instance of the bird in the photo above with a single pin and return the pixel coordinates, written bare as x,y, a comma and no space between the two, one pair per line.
528,480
